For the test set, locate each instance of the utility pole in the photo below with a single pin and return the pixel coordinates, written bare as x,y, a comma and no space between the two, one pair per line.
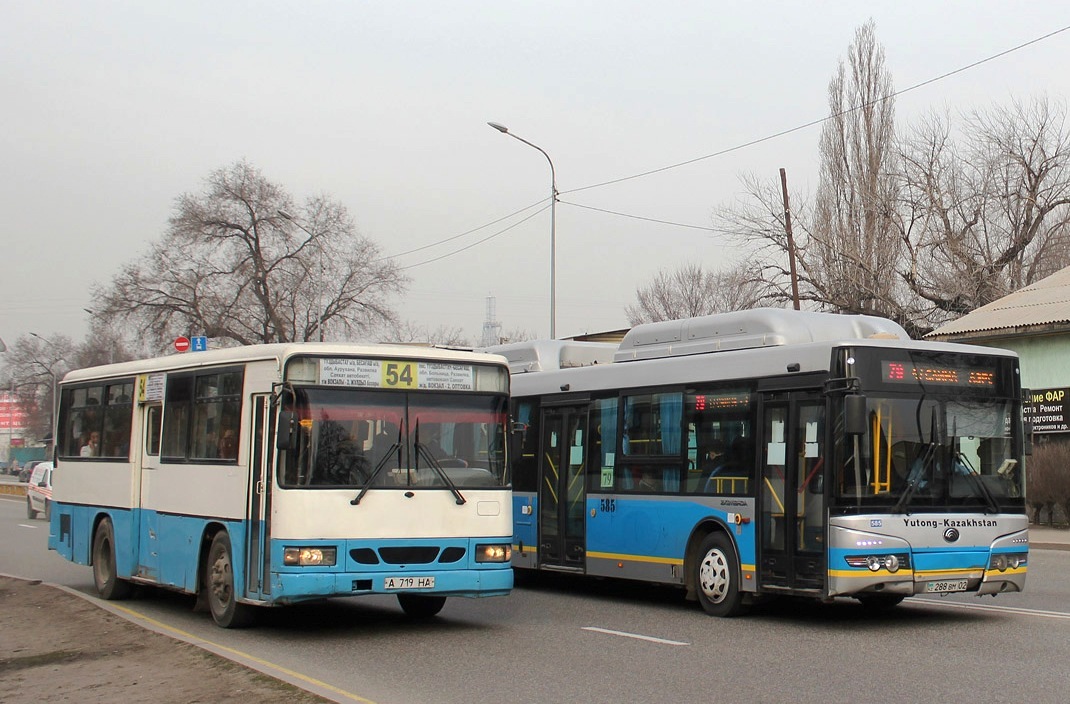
791,240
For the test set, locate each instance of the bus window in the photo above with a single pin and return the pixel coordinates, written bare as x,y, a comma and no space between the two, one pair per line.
198,410
651,448
719,421
84,416
602,446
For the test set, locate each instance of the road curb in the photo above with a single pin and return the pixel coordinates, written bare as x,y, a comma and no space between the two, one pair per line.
268,669
1049,546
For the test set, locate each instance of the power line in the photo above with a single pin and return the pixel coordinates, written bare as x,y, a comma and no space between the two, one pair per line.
478,242
821,120
637,217
722,152
474,229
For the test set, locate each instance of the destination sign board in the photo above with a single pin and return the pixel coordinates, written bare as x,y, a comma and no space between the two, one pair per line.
397,374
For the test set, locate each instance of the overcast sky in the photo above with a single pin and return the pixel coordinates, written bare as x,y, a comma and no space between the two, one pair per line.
110,110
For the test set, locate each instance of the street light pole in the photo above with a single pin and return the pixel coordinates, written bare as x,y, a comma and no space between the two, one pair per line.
51,372
553,226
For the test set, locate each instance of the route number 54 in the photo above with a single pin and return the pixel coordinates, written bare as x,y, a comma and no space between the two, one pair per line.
399,375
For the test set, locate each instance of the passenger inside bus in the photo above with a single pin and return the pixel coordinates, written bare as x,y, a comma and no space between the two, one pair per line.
91,448
228,445
731,475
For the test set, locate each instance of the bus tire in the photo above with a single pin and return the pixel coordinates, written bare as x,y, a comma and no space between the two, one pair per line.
717,577
418,606
30,513
227,612
105,574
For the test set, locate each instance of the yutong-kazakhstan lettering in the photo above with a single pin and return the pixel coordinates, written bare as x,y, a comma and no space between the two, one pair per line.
950,523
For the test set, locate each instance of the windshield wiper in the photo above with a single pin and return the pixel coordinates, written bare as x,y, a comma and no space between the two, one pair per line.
422,451
978,482
916,477
395,447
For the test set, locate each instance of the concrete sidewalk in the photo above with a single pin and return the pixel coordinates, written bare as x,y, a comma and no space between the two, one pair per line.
1045,538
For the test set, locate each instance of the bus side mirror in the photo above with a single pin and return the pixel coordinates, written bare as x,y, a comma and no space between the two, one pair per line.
854,414
1027,440
284,438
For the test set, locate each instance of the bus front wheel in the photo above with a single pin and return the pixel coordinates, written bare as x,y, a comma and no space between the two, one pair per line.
219,577
105,575
421,606
717,577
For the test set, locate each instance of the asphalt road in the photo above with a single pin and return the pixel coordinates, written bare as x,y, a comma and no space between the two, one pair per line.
569,640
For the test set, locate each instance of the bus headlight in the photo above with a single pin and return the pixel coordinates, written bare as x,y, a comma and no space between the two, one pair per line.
309,557
1007,560
494,553
876,563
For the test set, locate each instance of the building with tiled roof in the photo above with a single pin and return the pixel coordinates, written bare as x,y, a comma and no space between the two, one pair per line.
1035,323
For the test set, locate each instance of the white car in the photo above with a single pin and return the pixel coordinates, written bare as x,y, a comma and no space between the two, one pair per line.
39,491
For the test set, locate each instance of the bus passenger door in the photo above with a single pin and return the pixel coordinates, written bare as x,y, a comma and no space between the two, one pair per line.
562,525
148,542
791,493
261,459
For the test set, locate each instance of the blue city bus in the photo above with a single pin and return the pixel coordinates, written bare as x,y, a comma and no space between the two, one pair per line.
771,452
274,474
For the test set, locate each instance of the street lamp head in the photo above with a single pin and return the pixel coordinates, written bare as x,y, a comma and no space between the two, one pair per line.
284,215
501,128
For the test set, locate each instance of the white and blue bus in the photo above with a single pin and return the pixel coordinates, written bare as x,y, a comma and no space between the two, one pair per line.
275,474
771,452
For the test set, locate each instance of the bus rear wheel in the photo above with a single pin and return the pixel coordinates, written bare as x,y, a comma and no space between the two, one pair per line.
227,612
421,606
717,577
105,574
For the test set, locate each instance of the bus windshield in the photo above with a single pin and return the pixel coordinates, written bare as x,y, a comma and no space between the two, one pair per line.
924,452
350,438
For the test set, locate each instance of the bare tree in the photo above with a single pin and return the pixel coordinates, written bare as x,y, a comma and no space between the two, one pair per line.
853,247
923,229
34,365
990,216
691,291
847,238
1048,479
413,333
242,264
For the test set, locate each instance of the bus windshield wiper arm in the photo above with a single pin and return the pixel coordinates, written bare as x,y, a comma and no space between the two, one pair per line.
978,482
422,451
375,473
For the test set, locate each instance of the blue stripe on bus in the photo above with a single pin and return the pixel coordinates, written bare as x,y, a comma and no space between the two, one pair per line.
180,538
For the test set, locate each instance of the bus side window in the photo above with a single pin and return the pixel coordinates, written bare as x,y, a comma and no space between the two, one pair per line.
722,425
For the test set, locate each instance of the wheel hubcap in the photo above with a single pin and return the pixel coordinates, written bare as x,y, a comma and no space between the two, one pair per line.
713,576
220,580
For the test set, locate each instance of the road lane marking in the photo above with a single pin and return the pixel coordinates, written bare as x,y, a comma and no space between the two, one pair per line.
637,636
1004,609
